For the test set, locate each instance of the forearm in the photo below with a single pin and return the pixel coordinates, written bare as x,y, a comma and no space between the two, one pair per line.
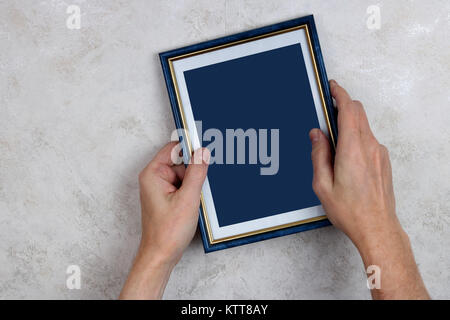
391,251
148,277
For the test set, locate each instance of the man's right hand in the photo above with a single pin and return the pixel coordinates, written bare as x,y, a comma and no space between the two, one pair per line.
357,194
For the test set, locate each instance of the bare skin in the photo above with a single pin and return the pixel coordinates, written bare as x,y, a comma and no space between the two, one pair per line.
358,197
356,192
170,198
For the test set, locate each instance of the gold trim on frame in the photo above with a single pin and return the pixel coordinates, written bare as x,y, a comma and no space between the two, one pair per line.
189,145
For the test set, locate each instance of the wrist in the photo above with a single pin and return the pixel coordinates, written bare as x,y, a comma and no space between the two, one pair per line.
148,276
380,243
154,257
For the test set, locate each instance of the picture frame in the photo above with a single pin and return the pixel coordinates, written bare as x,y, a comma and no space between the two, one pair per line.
177,63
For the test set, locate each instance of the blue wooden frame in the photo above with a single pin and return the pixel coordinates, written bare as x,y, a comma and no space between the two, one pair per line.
332,114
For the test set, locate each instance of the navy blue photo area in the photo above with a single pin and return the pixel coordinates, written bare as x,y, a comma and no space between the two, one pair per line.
268,90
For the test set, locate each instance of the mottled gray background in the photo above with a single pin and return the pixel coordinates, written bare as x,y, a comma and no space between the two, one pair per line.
82,111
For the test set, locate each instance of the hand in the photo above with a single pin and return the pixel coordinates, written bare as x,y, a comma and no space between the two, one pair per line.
358,197
357,192
170,200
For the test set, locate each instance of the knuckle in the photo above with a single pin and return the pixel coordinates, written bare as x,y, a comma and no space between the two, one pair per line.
346,105
372,140
315,186
318,186
379,152
142,177
358,103
315,150
384,150
145,174
164,171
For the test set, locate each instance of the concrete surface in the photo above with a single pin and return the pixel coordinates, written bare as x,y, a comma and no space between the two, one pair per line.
82,111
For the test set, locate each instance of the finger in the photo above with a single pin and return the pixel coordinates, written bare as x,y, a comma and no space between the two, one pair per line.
364,125
168,154
195,175
343,99
173,175
322,165
162,166
348,115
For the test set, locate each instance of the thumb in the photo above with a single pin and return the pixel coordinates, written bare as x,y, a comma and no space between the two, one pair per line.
195,175
321,159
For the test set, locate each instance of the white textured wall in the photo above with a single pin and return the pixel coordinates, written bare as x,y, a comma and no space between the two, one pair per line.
82,111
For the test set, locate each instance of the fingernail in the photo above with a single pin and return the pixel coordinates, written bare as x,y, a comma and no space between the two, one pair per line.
314,135
206,155
333,83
